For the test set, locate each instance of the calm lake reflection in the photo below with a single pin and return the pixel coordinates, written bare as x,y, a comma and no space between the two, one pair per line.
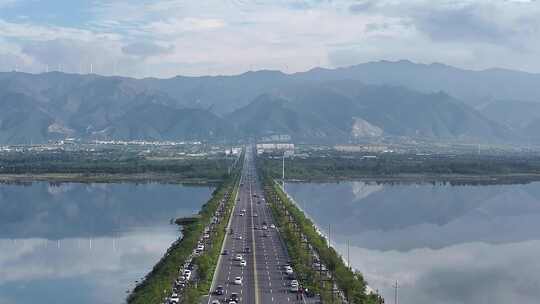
86,243
444,244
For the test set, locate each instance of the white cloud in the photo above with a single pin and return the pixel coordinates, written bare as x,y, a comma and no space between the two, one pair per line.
178,26
233,36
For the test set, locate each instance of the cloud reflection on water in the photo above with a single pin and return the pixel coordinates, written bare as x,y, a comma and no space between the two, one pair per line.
85,243
444,244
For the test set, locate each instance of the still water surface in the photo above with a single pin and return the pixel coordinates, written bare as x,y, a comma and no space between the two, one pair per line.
443,244
86,243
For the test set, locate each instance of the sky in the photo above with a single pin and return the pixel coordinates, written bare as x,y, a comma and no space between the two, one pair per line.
140,38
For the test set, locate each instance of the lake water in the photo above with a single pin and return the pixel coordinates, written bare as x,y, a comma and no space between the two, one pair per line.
443,244
86,243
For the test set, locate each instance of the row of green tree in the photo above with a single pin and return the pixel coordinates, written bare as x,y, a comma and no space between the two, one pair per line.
293,225
84,163
390,165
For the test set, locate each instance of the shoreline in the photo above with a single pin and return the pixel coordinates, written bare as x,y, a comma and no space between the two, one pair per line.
457,179
105,178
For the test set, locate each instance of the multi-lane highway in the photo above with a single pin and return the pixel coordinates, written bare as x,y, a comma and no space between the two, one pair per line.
253,236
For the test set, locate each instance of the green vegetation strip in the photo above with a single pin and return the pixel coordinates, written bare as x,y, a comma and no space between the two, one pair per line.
346,166
158,283
293,224
98,164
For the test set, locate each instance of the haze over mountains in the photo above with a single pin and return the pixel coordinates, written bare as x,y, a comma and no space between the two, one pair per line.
368,101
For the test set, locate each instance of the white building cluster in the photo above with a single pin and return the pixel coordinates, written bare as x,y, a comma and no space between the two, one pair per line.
288,149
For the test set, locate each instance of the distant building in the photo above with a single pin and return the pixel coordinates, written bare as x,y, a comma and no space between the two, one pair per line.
362,148
288,149
233,151
276,138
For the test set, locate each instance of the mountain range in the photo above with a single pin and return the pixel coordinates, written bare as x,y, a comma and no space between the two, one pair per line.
367,101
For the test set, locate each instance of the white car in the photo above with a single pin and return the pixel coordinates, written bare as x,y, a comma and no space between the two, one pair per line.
294,288
174,299
294,283
238,257
200,247
264,227
238,281
187,275
239,237
288,269
243,263
273,226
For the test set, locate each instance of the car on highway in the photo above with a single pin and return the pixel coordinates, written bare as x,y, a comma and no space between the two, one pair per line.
234,298
264,227
294,288
239,237
225,252
174,299
200,247
291,276
238,257
215,302
255,215
319,266
272,226
238,281
220,290
243,263
288,269
247,250
187,274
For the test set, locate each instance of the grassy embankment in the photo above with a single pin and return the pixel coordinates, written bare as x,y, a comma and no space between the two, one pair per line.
405,167
294,226
84,168
158,282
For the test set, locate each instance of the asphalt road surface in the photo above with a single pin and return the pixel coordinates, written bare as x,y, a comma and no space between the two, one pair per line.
263,277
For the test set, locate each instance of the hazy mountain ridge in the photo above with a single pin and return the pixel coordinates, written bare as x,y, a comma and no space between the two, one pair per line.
472,87
370,100
323,111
